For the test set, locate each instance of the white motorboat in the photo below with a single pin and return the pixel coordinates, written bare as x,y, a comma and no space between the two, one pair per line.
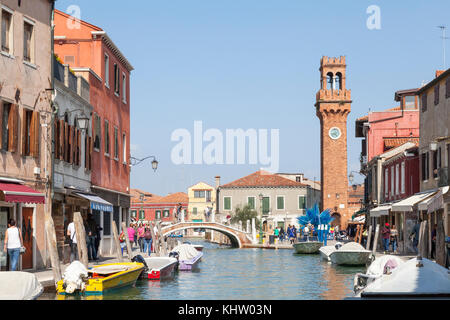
307,245
417,277
18,285
351,254
326,251
160,268
379,267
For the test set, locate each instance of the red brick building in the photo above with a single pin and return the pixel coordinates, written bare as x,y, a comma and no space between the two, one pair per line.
333,104
149,207
91,53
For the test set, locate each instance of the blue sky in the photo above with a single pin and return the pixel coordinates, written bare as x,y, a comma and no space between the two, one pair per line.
254,64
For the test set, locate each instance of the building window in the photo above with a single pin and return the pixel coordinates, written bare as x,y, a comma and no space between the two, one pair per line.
194,211
410,102
141,214
28,42
403,177
166,213
26,132
116,143
199,194
106,70
302,202
226,203
7,118
436,95
6,31
124,88
106,137
106,223
251,202
425,166
133,213
386,183
280,202
124,146
424,102
392,180
97,133
158,214
447,88
397,179
116,79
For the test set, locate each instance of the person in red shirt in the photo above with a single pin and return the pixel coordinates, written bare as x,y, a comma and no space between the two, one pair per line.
386,234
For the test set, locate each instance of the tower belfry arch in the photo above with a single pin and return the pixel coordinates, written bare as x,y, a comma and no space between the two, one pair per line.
333,104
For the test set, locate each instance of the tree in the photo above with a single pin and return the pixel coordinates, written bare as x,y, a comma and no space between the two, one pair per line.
244,214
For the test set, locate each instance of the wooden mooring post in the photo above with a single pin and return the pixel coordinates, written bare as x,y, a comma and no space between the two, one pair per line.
153,238
375,239
156,242
369,237
81,239
116,242
441,256
129,248
52,248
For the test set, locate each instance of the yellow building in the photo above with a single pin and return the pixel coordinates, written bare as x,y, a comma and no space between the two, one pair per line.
202,197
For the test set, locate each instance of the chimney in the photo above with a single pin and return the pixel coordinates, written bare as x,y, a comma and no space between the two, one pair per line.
439,72
217,181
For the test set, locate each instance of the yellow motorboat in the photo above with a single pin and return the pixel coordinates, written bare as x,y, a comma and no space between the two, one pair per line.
107,277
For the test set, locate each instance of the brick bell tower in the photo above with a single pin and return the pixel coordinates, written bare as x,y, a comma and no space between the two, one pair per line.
333,104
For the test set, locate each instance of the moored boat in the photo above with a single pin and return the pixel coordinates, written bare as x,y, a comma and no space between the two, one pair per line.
417,277
325,252
19,285
351,254
188,256
160,268
99,279
199,247
311,245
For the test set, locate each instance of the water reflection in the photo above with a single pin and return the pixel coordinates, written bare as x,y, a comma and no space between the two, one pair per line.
227,273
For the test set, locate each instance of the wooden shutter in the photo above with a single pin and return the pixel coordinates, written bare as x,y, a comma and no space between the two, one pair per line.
61,139
1,125
35,134
90,153
66,142
56,139
79,147
24,133
13,125
70,157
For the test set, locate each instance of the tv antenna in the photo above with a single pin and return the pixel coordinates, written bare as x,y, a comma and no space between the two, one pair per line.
443,37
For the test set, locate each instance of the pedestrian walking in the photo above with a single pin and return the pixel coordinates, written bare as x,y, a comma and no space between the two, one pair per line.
122,241
394,238
148,241
91,234
386,234
13,243
131,233
433,242
71,233
414,236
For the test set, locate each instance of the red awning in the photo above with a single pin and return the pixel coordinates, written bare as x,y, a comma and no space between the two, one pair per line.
15,192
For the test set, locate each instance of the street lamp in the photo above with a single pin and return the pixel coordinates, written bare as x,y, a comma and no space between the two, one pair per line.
260,222
135,161
83,122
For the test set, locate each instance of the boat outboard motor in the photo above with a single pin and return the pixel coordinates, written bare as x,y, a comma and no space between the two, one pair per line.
338,245
140,259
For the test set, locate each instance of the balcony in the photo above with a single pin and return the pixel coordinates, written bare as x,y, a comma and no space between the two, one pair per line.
443,177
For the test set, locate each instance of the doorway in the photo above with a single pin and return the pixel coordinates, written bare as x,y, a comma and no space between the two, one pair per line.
336,220
4,217
27,236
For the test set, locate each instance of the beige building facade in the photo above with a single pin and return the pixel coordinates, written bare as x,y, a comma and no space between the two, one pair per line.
25,124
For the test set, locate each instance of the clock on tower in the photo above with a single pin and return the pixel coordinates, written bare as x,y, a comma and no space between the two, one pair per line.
333,104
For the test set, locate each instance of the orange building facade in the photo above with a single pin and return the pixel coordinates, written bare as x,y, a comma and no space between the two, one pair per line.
89,52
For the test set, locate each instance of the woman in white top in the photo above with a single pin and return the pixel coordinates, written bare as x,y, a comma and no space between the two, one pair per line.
13,242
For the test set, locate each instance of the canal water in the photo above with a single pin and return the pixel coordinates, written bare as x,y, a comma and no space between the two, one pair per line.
236,274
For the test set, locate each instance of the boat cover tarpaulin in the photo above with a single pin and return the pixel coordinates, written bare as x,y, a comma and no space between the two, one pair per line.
16,192
18,285
186,251
97,203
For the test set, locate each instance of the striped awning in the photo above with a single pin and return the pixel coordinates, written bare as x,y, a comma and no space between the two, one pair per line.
434,202
382,210
398,141
407,205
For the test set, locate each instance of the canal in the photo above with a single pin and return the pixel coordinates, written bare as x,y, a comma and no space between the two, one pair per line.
253,274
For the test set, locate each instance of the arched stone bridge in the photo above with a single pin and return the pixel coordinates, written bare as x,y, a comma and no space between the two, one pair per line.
237,237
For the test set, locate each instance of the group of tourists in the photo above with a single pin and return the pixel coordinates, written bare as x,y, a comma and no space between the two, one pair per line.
139,234
390,238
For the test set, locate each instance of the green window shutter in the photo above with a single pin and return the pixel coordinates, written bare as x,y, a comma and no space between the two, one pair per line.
227,203
265,205
280,203
251,202
142,214
301,202
166,213
158,214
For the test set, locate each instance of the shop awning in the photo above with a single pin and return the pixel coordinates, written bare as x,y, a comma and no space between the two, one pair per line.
97,203
407,204
359,212
16,192
382,210
434,202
